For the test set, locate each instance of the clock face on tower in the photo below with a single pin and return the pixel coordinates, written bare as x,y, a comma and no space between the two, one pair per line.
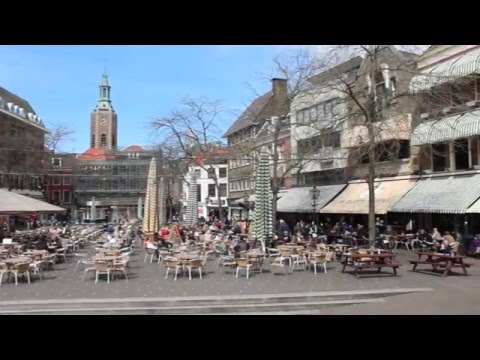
103,121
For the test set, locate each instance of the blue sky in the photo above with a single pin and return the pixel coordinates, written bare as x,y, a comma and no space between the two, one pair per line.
61,82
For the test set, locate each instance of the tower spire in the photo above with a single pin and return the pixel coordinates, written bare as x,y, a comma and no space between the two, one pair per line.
105,77
104,101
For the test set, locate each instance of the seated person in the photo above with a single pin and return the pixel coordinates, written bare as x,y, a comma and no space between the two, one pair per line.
424,238
448,237
474,247
111,241
57,242
272,241
445,247
222,248
244,246
436,236
42,245
160,241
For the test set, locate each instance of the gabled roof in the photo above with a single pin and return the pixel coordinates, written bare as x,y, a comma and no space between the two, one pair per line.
339,69
250,115
97,154
7,96
405,58
409,56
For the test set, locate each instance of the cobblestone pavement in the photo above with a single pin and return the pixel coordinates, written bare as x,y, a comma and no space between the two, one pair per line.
148,280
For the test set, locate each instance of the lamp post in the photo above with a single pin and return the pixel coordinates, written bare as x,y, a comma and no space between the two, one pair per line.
314,195
249,206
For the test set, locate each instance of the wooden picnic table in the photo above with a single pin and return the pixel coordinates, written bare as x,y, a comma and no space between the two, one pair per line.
371,260
439,260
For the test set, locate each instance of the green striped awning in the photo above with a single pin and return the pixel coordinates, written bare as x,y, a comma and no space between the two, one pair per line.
446,194
447,71
447,128
298,200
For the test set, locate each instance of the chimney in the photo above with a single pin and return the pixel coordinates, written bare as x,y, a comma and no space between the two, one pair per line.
279,87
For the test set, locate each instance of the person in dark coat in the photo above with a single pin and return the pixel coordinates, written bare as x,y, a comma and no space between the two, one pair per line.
283,227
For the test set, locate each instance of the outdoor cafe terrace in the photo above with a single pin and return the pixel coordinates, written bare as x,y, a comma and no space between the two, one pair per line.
90,264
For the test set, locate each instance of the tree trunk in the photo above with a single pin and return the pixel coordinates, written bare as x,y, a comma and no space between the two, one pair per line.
371,179
220,208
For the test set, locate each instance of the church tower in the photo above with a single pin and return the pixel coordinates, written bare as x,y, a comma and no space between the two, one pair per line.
103,123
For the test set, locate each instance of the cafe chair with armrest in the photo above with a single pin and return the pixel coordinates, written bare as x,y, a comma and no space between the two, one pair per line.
21,269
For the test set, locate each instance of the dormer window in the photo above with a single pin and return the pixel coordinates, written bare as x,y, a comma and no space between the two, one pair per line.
57,161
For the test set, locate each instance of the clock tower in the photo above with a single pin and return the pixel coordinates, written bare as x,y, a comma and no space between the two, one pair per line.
103,120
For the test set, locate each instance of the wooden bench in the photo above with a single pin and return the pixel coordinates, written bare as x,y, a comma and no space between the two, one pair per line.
363,266
441,263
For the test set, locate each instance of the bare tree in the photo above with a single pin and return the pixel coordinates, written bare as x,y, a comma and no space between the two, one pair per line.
378,108
296,68
370,107
57,134
191,136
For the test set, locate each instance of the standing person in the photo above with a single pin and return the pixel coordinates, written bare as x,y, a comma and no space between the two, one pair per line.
283,227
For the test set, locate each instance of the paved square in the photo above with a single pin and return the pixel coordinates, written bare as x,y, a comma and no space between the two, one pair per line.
453,294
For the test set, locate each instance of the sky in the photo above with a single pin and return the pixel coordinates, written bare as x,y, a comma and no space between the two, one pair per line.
61,82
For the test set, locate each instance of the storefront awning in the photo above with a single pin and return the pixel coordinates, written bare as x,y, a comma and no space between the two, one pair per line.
446,194
354,199
447,71
475,208
12,203
447,128
297,200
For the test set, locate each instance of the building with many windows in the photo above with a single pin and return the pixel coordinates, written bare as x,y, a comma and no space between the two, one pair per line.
60,181
246,136
446,141
22,155
210,170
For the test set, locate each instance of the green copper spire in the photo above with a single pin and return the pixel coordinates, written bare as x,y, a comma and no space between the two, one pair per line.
105,77
104,101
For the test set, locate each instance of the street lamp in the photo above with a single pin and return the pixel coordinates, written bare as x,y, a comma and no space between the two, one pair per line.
314,195
249,205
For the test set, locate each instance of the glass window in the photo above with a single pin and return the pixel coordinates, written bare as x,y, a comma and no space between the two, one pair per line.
67,196
223,172
300,118
199,193
223,190
211,190
56,180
